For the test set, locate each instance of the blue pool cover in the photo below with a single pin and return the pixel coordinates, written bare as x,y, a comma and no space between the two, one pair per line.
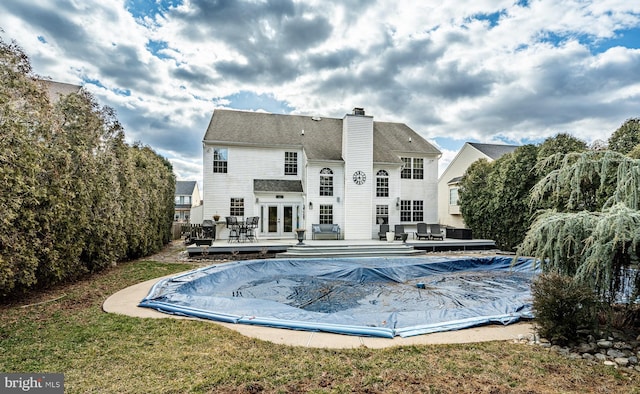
383,297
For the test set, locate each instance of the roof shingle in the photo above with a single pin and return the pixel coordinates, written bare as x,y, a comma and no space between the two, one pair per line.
322,139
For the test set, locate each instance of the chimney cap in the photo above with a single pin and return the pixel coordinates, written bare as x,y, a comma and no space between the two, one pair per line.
358,111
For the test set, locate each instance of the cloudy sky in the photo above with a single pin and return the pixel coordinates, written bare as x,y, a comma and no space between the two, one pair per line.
465,70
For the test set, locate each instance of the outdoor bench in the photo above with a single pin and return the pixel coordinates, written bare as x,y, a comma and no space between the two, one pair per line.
325,229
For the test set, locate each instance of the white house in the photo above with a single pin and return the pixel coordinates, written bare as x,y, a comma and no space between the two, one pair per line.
294,171
187,198
448,209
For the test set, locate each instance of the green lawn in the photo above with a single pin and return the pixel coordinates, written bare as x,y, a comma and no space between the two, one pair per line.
65,330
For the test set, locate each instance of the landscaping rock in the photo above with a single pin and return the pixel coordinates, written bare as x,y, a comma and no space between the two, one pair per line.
604,344
600,357
613,353
587,347
621,361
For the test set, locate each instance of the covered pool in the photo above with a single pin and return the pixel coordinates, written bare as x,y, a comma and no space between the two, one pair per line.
383,297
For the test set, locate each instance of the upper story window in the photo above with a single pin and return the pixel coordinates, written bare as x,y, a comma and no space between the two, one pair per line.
326,182
183,200
382,184
220,160
418,168
291,163
406,168
412,168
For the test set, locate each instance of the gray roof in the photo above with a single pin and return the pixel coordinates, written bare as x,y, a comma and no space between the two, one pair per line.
454,180
322,139
185,188
494,151
276,185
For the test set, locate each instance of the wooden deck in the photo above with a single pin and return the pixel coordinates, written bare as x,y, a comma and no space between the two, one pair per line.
222,246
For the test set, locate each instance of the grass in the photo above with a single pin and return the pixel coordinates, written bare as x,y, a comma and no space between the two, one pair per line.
65,330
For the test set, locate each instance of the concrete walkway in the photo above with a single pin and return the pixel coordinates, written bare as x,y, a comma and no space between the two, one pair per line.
125,302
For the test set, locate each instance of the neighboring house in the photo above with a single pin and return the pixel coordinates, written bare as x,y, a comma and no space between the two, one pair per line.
56,90
448,209
187,198
295,171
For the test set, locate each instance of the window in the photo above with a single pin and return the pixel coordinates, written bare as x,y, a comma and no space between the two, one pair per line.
405,210
453,196
326,182
382,184
291,163
406,168
183,200
411,210
418,168
237,207
220,160
382,214
412,168
326,214
418,210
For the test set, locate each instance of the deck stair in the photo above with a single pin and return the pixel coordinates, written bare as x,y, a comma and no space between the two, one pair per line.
372,250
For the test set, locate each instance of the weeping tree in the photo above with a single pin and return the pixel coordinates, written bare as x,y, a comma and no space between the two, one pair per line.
592,231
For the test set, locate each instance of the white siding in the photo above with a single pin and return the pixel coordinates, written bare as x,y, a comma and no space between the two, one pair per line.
391,201
467,155
243,166
357,152
313,193
425,190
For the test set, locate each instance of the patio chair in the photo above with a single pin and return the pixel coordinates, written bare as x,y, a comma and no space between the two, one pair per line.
399,230
232,225
436,232
422,231
251,225
384,229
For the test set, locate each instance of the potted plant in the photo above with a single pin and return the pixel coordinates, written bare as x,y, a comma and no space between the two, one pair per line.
391,236
300,232
216,217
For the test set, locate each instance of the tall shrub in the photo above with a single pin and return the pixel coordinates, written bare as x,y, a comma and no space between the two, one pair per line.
74,197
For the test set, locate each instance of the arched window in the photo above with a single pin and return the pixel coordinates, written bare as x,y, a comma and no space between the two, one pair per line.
326,182
382,184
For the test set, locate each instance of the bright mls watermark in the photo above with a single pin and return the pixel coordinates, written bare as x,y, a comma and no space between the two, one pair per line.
41,383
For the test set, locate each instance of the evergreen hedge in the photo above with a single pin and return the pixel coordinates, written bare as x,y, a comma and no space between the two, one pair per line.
74,197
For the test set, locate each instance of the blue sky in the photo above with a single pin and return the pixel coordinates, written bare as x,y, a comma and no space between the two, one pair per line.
488,71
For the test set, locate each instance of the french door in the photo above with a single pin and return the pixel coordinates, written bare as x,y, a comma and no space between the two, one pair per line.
280,220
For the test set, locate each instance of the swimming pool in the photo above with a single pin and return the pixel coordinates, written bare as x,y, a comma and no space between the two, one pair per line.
383,296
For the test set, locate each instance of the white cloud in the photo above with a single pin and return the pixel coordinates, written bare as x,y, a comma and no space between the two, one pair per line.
469,70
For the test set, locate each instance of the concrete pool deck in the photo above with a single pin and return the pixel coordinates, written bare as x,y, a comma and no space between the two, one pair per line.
125,302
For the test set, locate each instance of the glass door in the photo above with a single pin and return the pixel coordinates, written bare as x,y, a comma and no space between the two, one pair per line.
281,219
